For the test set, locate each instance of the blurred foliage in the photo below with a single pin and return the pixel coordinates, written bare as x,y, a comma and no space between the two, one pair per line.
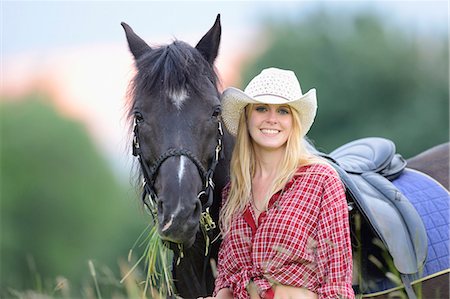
61,205
371,80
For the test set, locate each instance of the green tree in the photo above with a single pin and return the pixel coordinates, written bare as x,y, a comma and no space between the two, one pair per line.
371,80
60,203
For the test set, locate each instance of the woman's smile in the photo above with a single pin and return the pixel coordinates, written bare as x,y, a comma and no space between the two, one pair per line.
269,131
270,125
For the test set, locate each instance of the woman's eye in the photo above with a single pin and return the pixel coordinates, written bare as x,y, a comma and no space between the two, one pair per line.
283,111
260,108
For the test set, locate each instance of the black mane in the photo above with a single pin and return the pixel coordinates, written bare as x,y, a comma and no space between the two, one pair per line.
171,68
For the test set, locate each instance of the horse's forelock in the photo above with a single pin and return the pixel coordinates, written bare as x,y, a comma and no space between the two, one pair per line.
175,69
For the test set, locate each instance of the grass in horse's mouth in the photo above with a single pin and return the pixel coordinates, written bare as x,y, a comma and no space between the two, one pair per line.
157,258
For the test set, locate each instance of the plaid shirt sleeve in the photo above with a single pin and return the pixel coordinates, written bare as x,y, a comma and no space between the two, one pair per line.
222,274
334,262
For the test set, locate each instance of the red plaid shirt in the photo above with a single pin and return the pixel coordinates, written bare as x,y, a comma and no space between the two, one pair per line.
303,240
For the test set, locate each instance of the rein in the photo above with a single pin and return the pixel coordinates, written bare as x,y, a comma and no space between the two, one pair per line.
149,196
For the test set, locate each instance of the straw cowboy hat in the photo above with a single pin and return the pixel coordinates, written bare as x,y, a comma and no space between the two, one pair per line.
271,86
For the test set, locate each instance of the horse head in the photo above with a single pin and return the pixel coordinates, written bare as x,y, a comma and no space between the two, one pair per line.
175,109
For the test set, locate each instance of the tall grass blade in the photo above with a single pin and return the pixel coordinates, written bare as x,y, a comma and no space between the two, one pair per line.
157,262
94,276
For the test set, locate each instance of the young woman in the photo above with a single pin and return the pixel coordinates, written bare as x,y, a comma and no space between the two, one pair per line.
284,218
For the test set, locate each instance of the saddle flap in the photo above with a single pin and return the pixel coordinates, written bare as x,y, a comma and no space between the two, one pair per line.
393,218
364,155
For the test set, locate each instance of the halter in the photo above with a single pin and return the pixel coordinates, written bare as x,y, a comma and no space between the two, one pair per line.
149,196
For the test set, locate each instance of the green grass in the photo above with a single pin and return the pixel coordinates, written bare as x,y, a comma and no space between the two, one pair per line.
102,283
148,276
157,258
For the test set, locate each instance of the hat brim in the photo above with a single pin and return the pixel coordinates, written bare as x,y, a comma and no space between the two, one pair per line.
234,101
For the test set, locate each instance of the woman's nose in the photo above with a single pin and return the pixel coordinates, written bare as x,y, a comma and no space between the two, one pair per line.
272,116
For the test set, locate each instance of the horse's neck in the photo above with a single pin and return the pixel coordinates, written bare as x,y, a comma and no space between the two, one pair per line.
192,273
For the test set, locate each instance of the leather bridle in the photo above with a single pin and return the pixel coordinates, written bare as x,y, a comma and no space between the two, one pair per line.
149,195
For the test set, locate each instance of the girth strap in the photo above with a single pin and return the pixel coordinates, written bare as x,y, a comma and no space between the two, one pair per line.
408,287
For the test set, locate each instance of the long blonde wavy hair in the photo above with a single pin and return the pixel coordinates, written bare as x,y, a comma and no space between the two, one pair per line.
242,167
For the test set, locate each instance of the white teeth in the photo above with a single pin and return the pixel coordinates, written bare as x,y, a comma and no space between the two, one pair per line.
269,131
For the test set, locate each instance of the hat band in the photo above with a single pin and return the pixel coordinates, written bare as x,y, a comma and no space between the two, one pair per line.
270,94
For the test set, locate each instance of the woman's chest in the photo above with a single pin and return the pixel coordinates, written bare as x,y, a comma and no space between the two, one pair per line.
287,229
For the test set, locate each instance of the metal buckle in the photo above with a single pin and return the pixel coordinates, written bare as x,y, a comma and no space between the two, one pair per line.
206,221
206,224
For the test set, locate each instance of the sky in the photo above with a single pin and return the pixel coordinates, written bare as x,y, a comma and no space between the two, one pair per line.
77,52
39,25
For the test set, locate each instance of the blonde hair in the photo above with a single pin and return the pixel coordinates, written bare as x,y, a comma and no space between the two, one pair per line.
242,167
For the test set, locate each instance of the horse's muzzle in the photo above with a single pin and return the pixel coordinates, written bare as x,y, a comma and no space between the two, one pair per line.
185,235
179,225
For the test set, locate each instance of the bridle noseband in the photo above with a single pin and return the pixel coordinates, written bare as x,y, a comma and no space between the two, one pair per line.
149,196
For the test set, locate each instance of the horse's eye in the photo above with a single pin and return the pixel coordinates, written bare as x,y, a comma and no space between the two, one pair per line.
138,116
216,112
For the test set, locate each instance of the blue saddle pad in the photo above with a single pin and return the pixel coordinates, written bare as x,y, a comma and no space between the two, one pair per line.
431,201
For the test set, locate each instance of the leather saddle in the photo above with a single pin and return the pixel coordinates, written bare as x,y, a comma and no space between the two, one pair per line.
366,167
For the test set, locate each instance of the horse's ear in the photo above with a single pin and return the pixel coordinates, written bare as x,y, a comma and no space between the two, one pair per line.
209,44
137,45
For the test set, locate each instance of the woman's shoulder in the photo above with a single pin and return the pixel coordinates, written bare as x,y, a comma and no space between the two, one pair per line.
322,173
317,168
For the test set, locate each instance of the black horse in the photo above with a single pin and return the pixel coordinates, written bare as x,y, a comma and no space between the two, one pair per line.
184,153
182,148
